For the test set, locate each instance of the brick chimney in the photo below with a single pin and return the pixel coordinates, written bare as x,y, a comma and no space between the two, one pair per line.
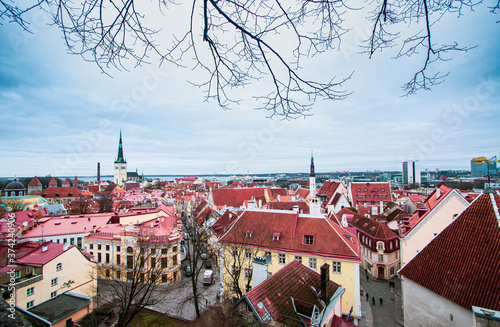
325,278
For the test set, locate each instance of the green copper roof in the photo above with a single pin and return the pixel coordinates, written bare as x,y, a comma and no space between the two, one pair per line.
120,158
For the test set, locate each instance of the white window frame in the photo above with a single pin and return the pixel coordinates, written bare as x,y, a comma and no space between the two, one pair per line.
30,304
282,259
313,263
53,294
337,267
248,254
30,291
53,281
59,266
298,258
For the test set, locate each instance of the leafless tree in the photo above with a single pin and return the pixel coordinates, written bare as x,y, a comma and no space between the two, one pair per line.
105,202
80,206
135,281
239,42
247,243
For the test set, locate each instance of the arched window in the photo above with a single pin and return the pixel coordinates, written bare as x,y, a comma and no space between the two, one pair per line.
59,266
130,250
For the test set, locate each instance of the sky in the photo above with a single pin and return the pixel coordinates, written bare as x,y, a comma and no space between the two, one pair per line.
60,115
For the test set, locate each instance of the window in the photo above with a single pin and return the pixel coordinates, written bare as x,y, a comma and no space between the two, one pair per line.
59,266
392,271
30,304
380,245
312,263
141,278
98,246
248,233
174,249
118,248
153,262
79,242
248,254
99,257
235,286
65,240
53,294
308,239
107,257
28,270
248,273
164,251
396,253
337,267
390,246
174,260
281,259
235,252
118,274
164,278
72,241
248,288
276,236
107,247
91,246
91,253
53,281
164,262
235,270
153,251
298,258
118,259
381,258
130,275
107,273
30,291
130,262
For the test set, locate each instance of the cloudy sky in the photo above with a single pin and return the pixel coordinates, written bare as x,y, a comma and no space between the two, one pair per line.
60,115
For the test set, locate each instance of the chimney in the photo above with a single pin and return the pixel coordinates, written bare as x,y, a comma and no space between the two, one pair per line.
438,193
44,248
325,278
295,208
98,171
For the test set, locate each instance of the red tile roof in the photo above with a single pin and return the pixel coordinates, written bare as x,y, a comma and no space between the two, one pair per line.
373,228
39,257
292,281
275,191
35,182
462,263
303,207
66,182
330,240
222,224
302,193
68,225
373,192
53,182
423,209
61,192
235,197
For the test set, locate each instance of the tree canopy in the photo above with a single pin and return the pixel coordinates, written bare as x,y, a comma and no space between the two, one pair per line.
237,43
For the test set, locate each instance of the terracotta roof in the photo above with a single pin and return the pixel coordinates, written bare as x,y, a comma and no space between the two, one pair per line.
68,225
423,209
61,192
53,181
373,192
302,193
373,228
224,221
66,182
75,181
39,257
303,207
275,191
35,182
235,197
330,240
292,281
462,263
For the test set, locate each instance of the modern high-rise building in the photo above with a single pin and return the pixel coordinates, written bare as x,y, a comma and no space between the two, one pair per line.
481,166
411,172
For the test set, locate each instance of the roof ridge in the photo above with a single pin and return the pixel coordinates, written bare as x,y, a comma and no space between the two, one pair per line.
495,208
341,236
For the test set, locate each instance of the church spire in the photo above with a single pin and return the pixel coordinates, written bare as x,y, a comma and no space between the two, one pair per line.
120,158
312,174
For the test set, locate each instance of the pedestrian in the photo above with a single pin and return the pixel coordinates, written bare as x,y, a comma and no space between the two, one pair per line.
367,277
373,300
367,297
381,301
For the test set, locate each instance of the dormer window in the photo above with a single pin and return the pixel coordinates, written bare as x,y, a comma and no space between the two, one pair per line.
309,239
276,236
249,233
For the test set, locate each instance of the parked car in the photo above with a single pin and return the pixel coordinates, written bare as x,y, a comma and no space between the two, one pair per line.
208,264
189,272
208,278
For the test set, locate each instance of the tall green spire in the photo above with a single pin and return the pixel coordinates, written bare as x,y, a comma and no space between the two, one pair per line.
120,158
312,174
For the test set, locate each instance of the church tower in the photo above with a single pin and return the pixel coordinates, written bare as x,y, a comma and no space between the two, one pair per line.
120,165
312,179
314,203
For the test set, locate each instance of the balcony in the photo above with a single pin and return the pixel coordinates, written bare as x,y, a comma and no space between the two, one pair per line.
27,280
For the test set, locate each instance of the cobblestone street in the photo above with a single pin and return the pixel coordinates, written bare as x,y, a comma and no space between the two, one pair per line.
380,314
